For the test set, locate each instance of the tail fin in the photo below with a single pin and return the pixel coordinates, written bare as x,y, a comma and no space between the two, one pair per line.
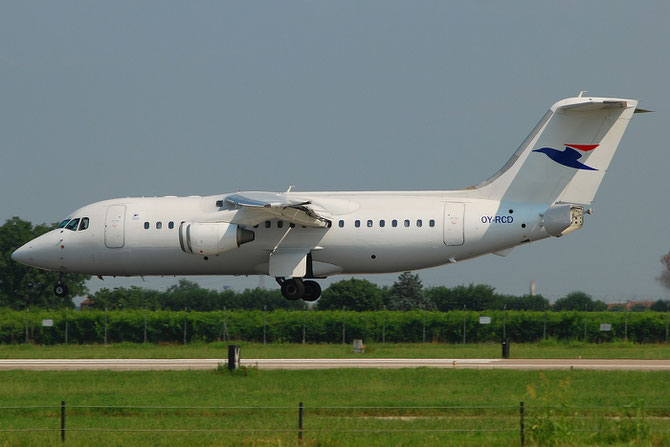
565,157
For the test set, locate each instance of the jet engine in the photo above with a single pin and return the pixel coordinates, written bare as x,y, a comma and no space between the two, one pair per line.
212,238
559,220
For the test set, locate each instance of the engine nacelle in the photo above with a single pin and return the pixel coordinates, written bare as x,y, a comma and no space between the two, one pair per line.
563,219
212,238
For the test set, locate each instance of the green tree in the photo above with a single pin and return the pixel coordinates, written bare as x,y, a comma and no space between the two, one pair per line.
526,302
664,279
22,286
579,301
660,306
259,299
474,297
355,294
407,294
189,295
123,298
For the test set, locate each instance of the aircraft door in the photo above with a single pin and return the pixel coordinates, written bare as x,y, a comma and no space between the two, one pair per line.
453,223
114,223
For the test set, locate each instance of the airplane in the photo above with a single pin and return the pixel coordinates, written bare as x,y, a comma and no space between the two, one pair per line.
543,191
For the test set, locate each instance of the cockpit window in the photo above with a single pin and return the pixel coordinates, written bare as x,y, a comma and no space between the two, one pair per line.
84,224
62,224
73,224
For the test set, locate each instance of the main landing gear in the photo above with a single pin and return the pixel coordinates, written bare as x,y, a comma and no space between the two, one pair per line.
60,288
295,289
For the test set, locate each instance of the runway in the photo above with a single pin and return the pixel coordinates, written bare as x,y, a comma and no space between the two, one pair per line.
304,364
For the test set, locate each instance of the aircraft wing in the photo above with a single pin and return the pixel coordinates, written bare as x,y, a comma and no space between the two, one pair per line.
257,206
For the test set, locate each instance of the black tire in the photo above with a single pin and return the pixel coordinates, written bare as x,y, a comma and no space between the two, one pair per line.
60,290
292,289
312,291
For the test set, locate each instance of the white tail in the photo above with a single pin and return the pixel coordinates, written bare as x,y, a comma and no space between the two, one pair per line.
565,157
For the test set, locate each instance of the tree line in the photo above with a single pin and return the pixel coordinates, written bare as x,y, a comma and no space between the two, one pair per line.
406,294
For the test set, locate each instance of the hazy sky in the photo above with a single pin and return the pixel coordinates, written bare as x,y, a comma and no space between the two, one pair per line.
110,99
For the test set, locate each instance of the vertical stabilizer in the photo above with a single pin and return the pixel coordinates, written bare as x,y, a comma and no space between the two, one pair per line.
565,157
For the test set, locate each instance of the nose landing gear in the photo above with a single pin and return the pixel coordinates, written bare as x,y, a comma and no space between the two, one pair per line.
60,288
295,289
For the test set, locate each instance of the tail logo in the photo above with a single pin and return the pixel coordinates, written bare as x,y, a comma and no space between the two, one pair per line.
569,156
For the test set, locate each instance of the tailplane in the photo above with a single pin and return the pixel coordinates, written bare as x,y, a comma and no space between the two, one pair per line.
565,157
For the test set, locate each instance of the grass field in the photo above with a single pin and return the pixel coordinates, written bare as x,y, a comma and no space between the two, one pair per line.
559,404
548,349
482,407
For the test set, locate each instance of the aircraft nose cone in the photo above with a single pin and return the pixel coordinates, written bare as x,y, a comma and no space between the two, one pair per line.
41,252
22,254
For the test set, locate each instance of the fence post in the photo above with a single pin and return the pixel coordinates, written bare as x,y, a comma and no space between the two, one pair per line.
464,307
424,327
265,308
27,324
66,325
300,412
505,322
384,325
343,325
625,334
522,425
105,324
62,421
303,323
185,320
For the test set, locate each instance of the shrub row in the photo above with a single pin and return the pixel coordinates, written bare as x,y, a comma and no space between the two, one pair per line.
327,326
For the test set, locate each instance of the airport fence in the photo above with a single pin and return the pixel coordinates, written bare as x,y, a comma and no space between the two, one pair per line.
138,326
518,424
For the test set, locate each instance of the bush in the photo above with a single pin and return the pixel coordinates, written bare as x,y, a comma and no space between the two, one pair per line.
326,326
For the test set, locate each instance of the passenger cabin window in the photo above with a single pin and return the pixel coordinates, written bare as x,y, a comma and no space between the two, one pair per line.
280,224
84,224
357,224
407,222
341,224
268,224
419,223
382,223
146,225
394,223
63,223
74,223
170,225
431,222
369,223
159,225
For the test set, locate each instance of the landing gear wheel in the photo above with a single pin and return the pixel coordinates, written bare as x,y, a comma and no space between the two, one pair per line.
292,289
60,290
312,291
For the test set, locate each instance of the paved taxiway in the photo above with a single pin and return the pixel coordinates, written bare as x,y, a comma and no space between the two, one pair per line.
182,364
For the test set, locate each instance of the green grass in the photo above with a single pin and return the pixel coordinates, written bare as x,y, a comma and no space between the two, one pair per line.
547,349
322,393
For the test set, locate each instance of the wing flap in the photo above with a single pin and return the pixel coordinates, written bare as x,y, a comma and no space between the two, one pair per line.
262,205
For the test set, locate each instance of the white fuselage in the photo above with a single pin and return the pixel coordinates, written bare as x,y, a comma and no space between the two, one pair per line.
370,232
